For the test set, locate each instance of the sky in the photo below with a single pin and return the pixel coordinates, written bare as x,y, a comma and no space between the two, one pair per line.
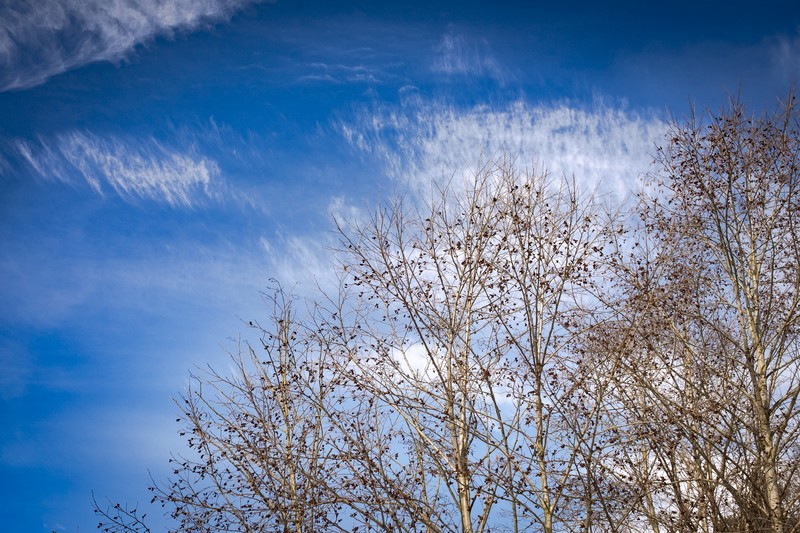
162,161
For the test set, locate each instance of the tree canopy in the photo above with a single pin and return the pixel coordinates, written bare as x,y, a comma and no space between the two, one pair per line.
514,355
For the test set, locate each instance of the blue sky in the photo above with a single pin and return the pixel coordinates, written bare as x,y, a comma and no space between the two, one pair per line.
161,160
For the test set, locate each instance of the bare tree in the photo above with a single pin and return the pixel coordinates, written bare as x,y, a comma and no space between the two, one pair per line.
711,324
261,443
443,387
476,299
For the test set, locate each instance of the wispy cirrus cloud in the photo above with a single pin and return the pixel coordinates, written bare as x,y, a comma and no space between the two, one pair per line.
339,73
136,169
456,55
303,262
43,38
785,56
420,140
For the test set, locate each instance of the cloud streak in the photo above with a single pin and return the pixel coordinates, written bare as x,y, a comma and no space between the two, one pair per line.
421,141
134,170
785,55
43,38
455,55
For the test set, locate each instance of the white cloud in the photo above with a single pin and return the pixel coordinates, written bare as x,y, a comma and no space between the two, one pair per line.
416,362
348,215
340,73
458,56
133,169
785,52
305,261
421,141
42,38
